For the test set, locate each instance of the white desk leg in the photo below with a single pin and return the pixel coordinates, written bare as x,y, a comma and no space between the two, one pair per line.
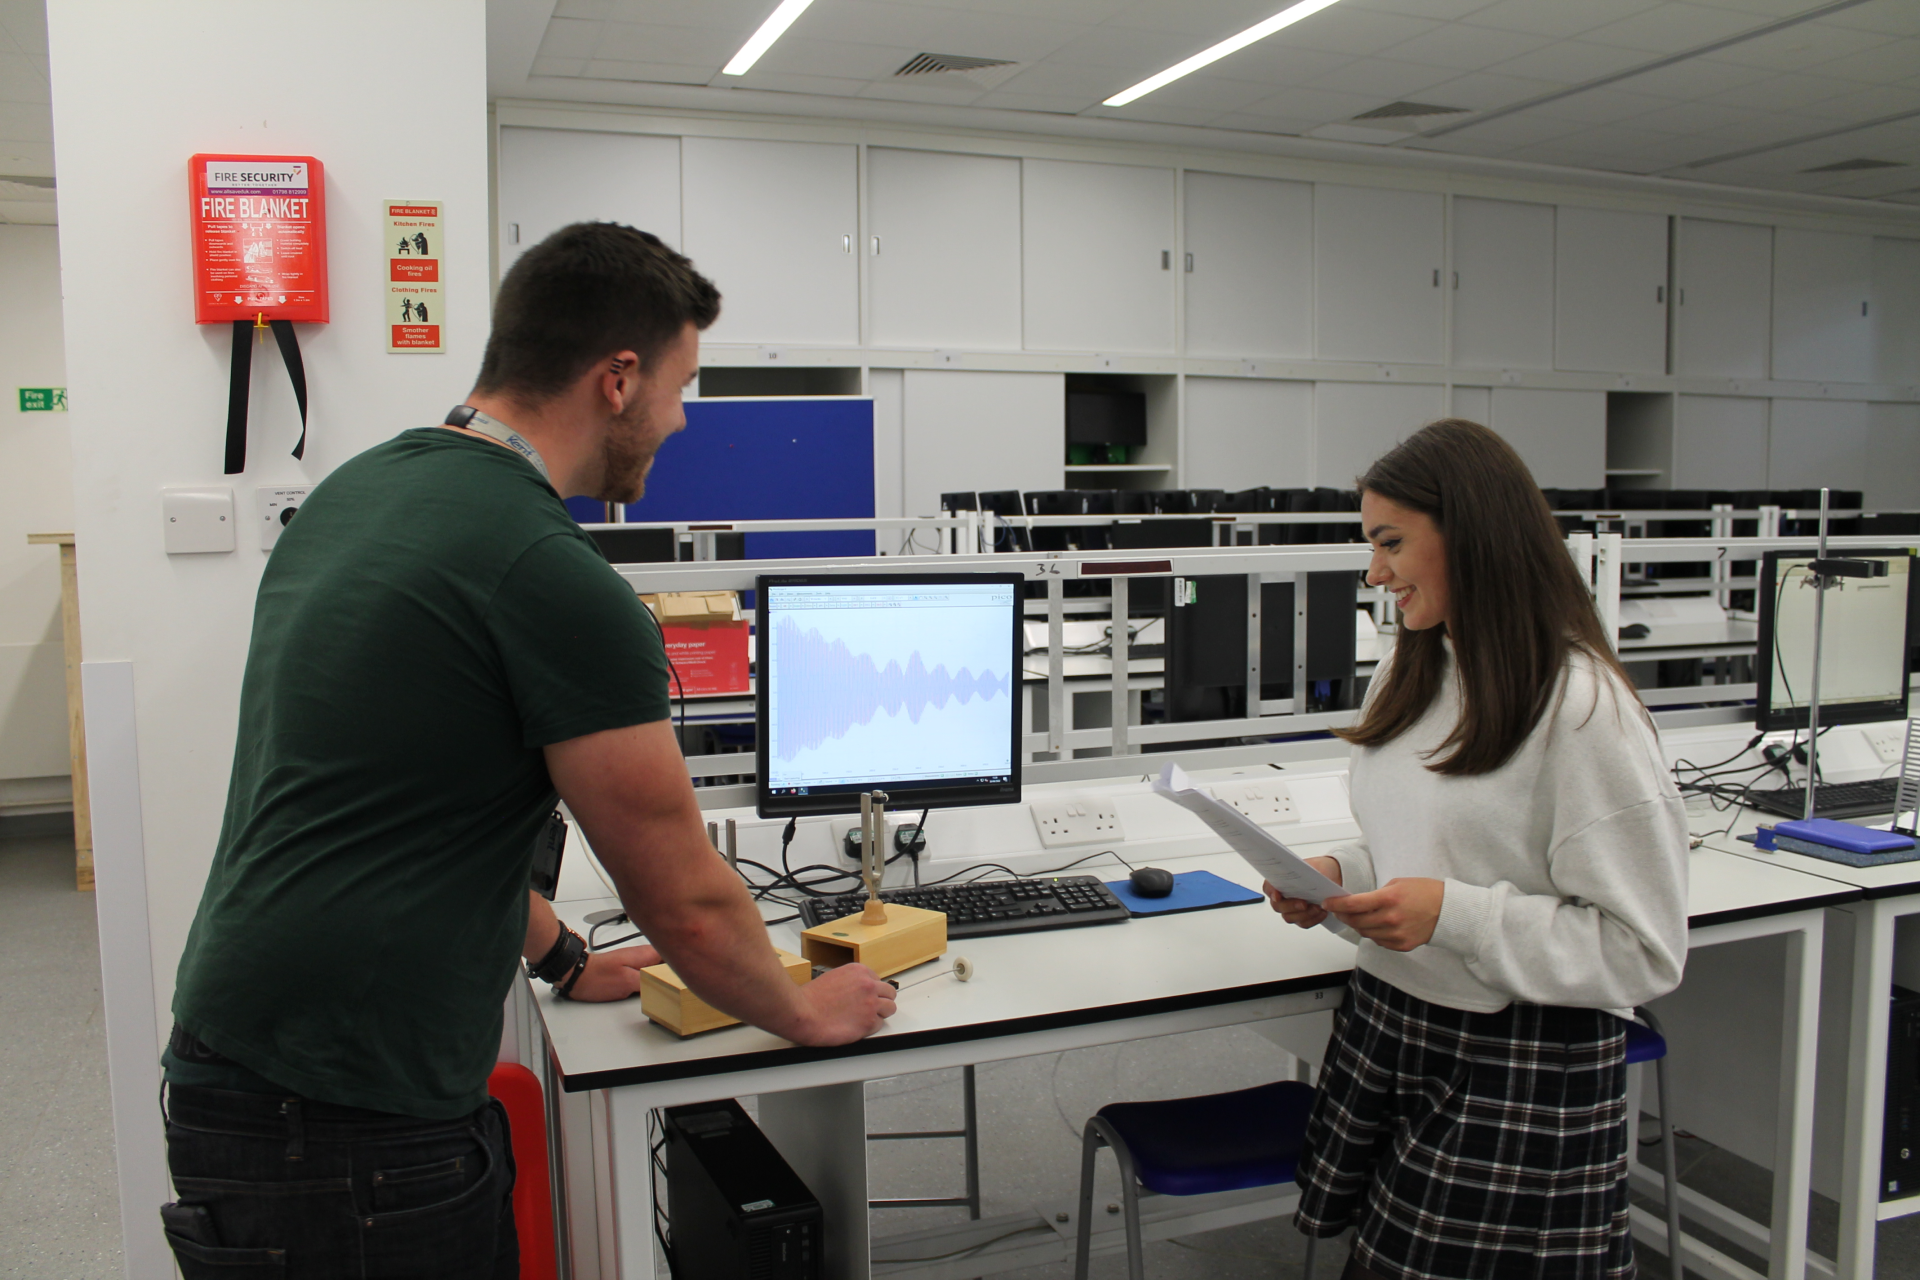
631,1185
823,1134
1866,1104
1793,1130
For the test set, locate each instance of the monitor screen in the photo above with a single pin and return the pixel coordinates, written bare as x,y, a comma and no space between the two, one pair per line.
1864,663
902,683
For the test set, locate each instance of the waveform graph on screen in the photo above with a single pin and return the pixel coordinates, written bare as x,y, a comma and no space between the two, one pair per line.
913,693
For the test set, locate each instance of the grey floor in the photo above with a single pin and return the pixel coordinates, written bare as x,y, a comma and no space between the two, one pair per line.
59,1209
59,1219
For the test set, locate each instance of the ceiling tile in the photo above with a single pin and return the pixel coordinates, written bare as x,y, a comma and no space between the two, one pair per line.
1762,9
645,72
1278,63
1439,10
1205,21
1693,118
1669,28
21,81
775,82
1386,79
687,46
1784,93
1359,32
915,89
740,18
936,29
1084,12
1322,106
1466,48
1483,90
1799,48
1887,60
1570,62
1607,105
1556,18
571,38
841,59
1140,52
1869,104
1087,84
1519,129
25,121
1250,123
1694,78
1888,17
1150,112
1208,93
27,213
565,68
593,9
1052,103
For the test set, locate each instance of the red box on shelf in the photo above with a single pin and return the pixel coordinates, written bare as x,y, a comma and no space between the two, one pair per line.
706,640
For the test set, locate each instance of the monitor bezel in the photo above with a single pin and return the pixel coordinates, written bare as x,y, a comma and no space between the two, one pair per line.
901,795
1768,718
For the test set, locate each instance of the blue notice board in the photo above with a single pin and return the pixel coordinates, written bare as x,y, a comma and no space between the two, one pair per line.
805,458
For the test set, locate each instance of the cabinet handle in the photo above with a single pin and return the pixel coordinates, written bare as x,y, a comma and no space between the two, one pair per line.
1189,264
513,233
1456,279
1660,293
1863,308
1436,277
1166,259
846,244
1680,295
876,246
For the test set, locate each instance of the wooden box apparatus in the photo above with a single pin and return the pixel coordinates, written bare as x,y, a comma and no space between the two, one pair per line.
665,999
907,937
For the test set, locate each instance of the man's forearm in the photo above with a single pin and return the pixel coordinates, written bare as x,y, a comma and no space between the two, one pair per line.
543,928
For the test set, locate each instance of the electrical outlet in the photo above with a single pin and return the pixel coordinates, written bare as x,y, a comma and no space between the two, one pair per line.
841,826
1265,802
1073,820
1889,741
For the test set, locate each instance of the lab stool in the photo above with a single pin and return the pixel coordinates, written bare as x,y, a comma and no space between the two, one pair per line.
1645,1043
1190,1146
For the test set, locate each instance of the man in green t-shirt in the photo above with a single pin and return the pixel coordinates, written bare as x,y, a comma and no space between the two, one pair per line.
438,653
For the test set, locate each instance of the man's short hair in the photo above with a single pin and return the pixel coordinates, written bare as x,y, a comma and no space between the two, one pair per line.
584,292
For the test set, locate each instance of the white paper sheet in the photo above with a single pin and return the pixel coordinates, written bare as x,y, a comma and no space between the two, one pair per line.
1278,865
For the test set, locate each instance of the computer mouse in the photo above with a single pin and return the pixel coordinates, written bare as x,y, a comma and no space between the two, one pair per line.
1151,882
1635,631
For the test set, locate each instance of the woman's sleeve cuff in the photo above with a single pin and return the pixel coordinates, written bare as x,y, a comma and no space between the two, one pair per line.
1466,910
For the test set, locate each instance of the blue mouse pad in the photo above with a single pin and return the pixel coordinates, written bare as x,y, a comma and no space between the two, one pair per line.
1827,853
1192,891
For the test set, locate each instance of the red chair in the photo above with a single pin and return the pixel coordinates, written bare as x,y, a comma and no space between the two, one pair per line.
518,1090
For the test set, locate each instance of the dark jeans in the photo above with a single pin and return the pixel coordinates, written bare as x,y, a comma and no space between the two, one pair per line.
288,1188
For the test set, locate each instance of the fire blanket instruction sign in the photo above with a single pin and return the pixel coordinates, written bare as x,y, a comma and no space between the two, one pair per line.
259,238
415,303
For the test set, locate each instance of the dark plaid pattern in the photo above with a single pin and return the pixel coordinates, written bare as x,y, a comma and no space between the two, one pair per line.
1471,1146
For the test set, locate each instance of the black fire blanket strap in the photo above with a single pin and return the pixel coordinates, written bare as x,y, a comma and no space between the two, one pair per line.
239,381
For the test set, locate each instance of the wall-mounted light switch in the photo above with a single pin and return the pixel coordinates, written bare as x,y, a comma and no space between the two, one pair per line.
197,521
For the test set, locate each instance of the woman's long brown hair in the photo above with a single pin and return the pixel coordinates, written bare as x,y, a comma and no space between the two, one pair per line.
1519,606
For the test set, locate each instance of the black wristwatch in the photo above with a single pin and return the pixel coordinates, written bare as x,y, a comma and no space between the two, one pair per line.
564,962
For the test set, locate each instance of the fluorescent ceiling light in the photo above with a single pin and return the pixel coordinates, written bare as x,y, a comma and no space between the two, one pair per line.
772,29
1259,31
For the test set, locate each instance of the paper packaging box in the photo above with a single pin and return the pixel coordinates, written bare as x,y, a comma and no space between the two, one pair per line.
706,639
665,999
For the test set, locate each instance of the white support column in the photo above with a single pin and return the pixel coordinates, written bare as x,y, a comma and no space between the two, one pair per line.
628,1202
1056,667
1866,1099
1793,1128
1606,585
1122,649
822,1132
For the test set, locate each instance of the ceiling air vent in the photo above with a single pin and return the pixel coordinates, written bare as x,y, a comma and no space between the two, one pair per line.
1400,110
925,63
1850,166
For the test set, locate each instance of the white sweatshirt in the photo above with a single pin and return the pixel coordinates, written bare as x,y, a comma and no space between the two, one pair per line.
1565,868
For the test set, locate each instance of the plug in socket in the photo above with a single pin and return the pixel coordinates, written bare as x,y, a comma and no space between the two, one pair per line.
1265,802
1073,820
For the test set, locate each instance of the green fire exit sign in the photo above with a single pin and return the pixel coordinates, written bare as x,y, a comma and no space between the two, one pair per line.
43,399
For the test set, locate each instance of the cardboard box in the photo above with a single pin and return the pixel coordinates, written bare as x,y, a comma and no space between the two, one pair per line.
707,640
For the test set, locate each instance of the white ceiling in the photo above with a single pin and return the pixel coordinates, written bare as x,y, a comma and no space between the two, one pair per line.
26,114
1831,75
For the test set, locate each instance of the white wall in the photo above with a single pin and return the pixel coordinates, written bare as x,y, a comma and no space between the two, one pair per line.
137,89
36,496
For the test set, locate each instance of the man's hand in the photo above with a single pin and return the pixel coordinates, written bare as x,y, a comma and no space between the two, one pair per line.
613,975
1299,911
843,1005
1399,917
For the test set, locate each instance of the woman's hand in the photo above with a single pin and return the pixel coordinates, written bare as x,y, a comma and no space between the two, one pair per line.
1298,911
1399,917
613,975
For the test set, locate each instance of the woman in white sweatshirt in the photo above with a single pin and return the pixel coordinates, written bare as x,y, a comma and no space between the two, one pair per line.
1519,885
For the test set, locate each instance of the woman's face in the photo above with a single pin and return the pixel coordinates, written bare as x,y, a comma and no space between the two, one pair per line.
1409,559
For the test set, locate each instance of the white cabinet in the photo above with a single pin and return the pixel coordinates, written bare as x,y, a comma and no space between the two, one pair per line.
1377,262
1723,317
552,177
1818,443
1720,442
1610,291
1502,284
1560,435
1893,454
1822,284
943,250
1896,310
965,429
1356,422
773,224
1248,266
1475,404
1243,432
1097,246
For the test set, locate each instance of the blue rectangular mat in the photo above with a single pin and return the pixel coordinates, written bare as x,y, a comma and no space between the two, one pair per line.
1192,891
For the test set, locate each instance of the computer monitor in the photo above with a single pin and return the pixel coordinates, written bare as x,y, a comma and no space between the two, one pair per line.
1864,661
902,683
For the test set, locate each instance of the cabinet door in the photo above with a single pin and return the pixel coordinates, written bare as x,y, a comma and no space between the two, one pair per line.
1723,310
1818,443
1243,432
1610,291
1377,256
967,429
943,250
1720,442
1896,310
552,177
1356,422
1503,284
1822,284
1893,445
1097,246
1560,435
772,224
1248,266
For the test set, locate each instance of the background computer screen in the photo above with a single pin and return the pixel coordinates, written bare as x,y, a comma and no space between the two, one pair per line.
1864,658
889,682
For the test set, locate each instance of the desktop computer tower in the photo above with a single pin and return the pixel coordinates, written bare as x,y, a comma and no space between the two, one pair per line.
1206,669
735,1209
1900,1139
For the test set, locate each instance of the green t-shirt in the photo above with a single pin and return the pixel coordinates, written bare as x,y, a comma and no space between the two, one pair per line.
432,619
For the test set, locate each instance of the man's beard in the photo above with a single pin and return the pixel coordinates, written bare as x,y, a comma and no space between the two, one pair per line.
626,455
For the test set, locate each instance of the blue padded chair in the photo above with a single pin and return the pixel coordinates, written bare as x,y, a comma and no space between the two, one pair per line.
1189,1146
1645,1043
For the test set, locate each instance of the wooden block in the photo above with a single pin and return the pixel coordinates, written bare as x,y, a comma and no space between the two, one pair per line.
910,936
665,999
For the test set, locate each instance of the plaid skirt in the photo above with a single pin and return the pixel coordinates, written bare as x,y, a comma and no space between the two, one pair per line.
1471,1146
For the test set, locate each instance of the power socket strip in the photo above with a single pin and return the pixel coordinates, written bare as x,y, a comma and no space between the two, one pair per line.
1889,741
1264,802
1075,820
841,826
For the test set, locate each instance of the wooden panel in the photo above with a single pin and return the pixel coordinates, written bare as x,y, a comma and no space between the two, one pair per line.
1503,290
1377,260
943,250
1248,266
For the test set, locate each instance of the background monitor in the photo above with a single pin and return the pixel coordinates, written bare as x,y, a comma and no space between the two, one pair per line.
1864,661
902,683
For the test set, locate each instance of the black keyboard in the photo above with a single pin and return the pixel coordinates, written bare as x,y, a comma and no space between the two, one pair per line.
1830,799
981,907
